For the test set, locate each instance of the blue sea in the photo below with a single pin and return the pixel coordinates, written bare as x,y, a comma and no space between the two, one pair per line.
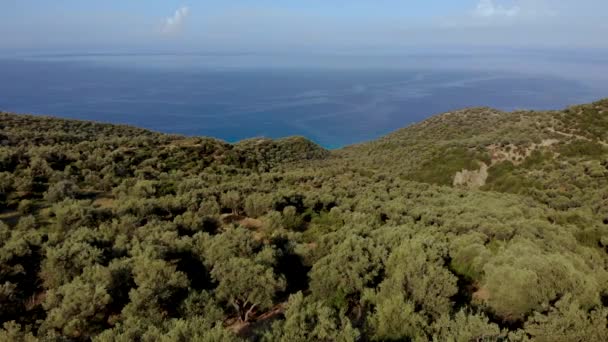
334,101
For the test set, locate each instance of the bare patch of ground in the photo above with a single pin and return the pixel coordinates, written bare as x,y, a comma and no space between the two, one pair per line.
570,135
472,179
103,202
481,295
251,223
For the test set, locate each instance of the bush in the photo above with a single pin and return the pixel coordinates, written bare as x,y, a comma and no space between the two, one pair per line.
60,191
442,168
257,205
26,207
291,219
231,200
580,148
6,182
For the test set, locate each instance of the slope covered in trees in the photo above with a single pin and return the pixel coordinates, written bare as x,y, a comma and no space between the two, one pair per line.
475,225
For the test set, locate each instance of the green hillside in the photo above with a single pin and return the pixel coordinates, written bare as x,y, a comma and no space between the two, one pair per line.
474,225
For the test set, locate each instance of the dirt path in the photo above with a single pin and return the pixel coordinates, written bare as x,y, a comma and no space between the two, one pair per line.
570,135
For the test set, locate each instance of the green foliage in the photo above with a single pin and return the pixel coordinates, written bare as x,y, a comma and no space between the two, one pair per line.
237,242
589,119
464,327
231,200
311,321
442,168
197,329
67,260
522,279
582,148
79,308
209,207
113,233
291,220
60,191
39,168
503,177
202,304
180,330
158,288
536,159
246,291
468,256
347,270
12,331
417,266
395,318
70,215
6,182
144,189
257,205
568,321
26,207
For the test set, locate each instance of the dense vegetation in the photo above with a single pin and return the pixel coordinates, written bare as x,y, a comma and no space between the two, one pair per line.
475,225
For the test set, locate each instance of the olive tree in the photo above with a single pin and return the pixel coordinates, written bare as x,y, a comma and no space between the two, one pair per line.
307,320
352,266
231,200
246,285
61,190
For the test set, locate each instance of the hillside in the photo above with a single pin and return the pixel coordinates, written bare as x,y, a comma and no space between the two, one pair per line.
556,157
474,225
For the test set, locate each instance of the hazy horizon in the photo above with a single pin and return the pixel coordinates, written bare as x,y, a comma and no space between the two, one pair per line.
336,71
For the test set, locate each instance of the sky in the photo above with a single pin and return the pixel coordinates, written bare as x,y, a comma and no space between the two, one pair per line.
317,26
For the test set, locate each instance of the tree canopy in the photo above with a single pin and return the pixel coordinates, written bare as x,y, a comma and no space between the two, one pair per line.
474,225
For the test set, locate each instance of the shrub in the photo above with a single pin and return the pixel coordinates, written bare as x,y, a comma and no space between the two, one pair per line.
257,205
291,219
26,207
62,190
231,200
580,148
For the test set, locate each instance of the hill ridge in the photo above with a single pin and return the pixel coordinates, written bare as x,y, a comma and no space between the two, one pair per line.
469,224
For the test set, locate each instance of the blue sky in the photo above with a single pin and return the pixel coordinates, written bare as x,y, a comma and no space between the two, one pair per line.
370,26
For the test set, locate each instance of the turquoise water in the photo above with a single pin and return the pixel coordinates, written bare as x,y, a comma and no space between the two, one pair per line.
331,105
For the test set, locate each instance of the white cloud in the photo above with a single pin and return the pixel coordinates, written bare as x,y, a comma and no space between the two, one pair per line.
487,9
174,23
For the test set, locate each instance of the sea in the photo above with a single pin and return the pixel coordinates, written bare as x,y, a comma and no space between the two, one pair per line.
334,100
